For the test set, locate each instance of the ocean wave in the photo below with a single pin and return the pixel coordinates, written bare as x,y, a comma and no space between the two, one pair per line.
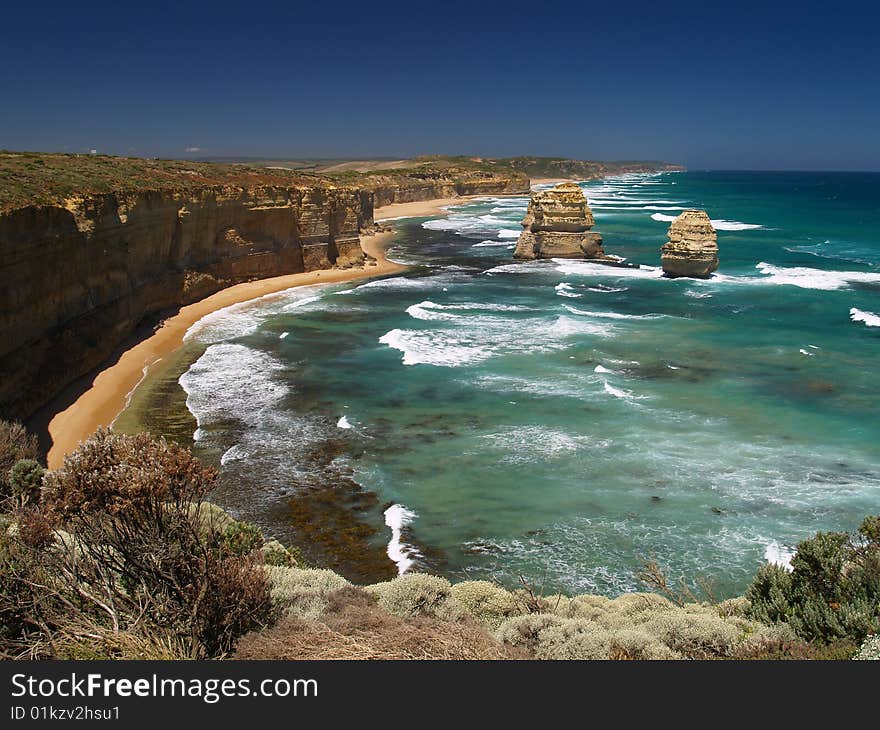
232,379
835,251
443,349
489,244
868,318
612,315
564,289
808,278
719,224
618,393
777,554
587,268
509,233
398,517
244,318
343,423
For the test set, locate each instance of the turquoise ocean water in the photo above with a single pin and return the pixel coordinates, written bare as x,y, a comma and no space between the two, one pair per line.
559,419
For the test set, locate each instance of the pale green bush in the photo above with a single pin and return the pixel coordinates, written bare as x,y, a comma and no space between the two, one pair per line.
274,553
639,645
734,607
487,603
574,638
302,592
870,649
523,631
694,634
418,594
633,604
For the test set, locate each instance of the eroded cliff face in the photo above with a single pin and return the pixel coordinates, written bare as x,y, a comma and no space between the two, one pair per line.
77,278
692,248
389,189
557,225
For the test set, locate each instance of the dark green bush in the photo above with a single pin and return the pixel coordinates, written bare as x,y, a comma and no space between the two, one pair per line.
833,590
25,480
15,444
242,538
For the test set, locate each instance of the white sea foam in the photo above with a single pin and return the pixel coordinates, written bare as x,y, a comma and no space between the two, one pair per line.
444,349
509,233
489,244
244,318
697,294
397,517
777,554
802,351
868,318
807,278
719,224
300,303
587,268
565,289
232,378
343,423
618,393
600,369
612,315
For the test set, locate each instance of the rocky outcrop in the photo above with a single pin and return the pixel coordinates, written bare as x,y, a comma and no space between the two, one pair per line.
557,225
76,278
692,248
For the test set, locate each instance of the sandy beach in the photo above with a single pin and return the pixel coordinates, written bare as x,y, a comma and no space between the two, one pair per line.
417,209
109,392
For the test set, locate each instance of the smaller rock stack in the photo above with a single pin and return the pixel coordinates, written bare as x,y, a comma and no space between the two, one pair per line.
692,248
557,225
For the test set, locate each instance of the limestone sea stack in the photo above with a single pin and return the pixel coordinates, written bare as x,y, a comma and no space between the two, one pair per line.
692,248
557,225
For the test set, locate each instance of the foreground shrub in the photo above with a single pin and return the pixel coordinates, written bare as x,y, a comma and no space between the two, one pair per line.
870,649
25,481
487,603
135,556
695,635
242,538
833,590
418,594
15,444
302,592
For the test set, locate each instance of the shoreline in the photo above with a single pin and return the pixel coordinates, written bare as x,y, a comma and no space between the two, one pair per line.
111,390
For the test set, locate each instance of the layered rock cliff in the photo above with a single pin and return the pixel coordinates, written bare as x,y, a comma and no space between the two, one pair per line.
77,277
692,248
414,186
557,225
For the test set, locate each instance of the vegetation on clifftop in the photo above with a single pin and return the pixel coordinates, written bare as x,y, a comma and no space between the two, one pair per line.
38,178
118,555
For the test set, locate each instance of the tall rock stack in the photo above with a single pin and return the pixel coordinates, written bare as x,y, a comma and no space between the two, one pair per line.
557,225
692,248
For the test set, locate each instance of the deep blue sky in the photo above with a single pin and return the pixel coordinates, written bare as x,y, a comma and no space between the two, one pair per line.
737,85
